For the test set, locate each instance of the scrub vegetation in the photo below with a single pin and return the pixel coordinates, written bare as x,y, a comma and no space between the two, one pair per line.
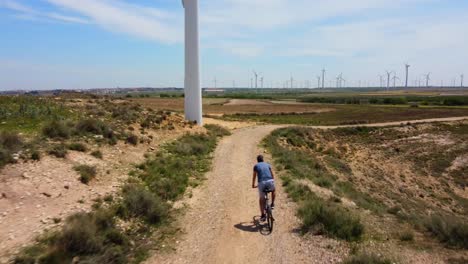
122,229
410,178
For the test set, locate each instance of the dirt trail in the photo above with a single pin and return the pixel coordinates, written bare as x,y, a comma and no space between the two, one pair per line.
221,223
220,226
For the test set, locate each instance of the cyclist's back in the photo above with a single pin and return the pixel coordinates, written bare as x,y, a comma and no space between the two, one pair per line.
263,170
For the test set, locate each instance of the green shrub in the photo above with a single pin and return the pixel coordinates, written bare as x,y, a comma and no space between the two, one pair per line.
80,235
407,235
97,154
95,127
448,230
35,155
56,129
132,139
140,202
367,258
299,192
217,131
87,173
58,151
5,157
334,220
10,141
76,146
324,216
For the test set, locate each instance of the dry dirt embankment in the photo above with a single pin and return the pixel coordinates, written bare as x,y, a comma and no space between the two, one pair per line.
36,196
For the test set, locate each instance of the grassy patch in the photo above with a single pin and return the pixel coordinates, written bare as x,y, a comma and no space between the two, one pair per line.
406,236
58,150
185,160
57,129
448,230
367,258
77,146
27,113
321,216
9,143
97,154
140,202
298,158
87,173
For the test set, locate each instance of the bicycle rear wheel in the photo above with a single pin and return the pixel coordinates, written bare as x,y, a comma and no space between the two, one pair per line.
270,219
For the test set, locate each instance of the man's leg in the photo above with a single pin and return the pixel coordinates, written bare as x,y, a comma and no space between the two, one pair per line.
273,195
262,205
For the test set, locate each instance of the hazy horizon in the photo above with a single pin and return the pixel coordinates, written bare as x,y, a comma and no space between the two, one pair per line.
66,44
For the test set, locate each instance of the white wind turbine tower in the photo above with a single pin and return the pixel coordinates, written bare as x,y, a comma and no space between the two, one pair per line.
323,78
389,74
318,81
292,81
261,82
394,80
381,81
461,78
407,74
193,96
256,79
428,78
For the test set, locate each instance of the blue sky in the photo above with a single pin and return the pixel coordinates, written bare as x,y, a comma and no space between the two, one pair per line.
51,44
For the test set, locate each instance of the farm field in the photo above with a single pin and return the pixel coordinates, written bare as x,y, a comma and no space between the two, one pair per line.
292,112
68,163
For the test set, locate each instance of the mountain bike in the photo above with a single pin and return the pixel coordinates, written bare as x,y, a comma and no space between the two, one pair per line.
268,211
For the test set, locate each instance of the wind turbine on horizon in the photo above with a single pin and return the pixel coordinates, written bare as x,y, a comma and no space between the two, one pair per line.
256,79
428,78
461,80
394,80
389,74
381,81
323,78
407,74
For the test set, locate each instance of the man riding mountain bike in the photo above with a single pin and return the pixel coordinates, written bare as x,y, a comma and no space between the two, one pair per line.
266,180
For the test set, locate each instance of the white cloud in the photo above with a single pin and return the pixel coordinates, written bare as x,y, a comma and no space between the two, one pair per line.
28,13
119,16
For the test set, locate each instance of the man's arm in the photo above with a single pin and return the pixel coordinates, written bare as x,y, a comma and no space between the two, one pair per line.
272,175
253,179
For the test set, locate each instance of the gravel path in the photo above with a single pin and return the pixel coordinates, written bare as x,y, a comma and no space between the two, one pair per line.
220,225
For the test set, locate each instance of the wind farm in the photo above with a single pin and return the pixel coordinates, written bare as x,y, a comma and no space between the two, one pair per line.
233,131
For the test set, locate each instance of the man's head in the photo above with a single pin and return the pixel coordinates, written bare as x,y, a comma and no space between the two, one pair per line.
259,158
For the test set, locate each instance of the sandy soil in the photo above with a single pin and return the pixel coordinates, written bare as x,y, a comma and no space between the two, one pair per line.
34,194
